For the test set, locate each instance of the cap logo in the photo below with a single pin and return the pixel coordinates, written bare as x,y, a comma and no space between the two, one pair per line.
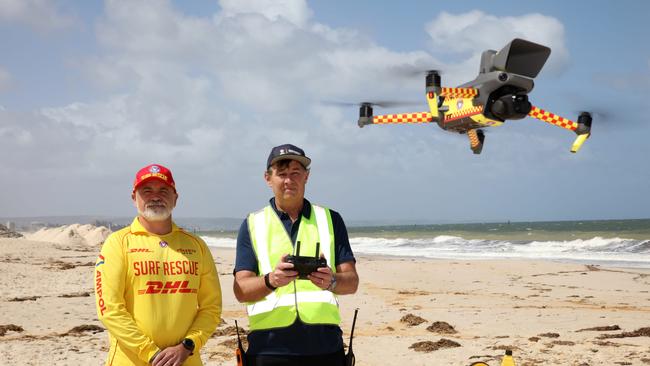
157,175
289,151
154,169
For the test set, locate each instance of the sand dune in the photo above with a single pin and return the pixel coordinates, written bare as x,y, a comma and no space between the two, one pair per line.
75,234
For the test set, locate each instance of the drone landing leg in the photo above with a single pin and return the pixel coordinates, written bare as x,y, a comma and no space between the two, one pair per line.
476,138
582,128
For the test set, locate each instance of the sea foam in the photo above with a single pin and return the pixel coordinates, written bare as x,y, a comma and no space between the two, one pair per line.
628,252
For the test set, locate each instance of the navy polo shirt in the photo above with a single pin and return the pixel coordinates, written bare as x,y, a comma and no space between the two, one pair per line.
298,338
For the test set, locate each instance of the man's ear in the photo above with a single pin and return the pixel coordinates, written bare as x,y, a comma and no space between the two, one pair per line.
133,198
267,178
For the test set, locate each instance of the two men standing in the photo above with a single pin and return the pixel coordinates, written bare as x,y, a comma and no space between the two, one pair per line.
158,293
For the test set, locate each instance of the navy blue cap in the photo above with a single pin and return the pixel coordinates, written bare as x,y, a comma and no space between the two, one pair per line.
288,152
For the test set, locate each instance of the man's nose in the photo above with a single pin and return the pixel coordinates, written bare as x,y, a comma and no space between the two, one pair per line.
155,196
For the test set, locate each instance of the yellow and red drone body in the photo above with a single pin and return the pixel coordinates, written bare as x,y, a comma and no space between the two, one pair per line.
499,93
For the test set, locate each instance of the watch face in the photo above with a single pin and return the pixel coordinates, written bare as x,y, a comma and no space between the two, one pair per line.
188,344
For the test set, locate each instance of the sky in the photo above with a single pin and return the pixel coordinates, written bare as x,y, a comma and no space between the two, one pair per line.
92,91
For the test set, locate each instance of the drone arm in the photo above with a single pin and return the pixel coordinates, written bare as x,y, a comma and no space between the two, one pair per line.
553,119
582,128
402,118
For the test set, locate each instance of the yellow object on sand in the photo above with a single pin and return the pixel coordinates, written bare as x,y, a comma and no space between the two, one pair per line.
507,360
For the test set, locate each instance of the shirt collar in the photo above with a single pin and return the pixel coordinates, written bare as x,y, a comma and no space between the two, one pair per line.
136,227
306,208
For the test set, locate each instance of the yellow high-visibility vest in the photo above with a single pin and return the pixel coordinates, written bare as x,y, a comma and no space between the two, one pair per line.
301,298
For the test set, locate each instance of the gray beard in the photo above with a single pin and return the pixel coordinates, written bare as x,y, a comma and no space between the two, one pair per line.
155,214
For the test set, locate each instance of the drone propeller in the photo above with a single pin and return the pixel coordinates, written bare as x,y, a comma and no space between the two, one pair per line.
600,109
600,114
378,103
411,71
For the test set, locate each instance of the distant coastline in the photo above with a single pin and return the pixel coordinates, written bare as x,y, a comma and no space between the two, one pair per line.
639,226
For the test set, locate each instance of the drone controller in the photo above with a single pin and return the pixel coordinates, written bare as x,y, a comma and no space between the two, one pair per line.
306,265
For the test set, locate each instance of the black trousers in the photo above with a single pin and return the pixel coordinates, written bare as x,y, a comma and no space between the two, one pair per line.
331,359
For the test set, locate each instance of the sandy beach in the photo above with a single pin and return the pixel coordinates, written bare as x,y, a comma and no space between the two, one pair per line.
411,311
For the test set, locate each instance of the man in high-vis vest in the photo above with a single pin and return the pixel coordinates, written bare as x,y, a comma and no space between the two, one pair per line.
156,286
293,321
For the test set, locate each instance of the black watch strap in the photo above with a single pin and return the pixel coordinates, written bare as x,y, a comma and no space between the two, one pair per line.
189,345
267,282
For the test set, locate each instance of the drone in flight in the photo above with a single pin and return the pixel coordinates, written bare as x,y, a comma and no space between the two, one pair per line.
499,93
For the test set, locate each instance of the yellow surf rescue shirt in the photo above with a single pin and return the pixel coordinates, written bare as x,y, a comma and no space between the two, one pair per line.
152,291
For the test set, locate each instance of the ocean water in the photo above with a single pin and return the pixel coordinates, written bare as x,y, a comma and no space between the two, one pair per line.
623,243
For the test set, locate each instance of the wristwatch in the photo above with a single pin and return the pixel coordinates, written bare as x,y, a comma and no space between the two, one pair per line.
332,285
189,345
267,282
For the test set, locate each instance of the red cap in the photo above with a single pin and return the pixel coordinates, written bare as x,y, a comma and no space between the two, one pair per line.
154,171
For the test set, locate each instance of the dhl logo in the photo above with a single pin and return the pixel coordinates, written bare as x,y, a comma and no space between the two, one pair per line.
168,287
140,250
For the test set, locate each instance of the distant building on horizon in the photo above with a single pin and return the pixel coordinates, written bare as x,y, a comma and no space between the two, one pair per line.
110,225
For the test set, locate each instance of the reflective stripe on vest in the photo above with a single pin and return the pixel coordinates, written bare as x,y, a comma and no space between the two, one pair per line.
301,297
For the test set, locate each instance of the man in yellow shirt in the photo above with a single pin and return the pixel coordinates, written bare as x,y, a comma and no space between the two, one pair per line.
156,286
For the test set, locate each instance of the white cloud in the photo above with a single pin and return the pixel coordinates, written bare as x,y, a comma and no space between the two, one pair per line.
248,56
469,34
42,15
33,143
19,136
294,11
